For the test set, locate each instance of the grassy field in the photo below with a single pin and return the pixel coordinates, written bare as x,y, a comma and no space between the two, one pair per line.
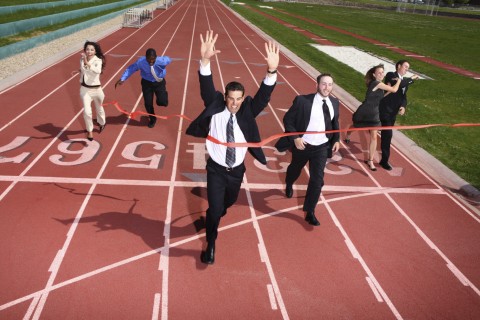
448,99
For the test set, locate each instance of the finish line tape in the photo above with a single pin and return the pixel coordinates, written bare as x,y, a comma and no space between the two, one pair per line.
262,143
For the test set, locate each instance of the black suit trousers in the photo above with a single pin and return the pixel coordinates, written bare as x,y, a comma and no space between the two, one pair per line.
316,156
223,188
386,139
159,89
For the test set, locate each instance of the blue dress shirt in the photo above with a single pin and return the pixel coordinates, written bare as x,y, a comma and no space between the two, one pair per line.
142,65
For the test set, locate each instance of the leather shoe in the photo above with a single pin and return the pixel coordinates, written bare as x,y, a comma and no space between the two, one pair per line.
208,256
311,219
385,165
151,123
289,190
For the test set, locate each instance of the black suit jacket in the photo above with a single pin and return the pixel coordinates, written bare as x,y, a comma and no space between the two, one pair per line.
214,102
392,102
297,118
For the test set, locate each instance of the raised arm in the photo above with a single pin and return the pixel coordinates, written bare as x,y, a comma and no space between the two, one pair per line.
207,49
389,88
273,57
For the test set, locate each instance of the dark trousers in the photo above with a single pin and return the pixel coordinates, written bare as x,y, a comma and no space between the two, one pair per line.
223,188
159,89
316,156
386,139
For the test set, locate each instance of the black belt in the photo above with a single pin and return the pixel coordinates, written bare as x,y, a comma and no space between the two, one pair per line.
214,164
90,87
308,145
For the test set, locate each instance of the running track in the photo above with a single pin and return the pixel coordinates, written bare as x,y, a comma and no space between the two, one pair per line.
113,229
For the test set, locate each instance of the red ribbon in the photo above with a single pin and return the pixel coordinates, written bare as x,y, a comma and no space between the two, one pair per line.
133,115
262,143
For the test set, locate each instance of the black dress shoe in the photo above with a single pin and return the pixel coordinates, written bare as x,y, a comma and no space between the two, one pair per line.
311,219
151,123
289,190
386,165
208,256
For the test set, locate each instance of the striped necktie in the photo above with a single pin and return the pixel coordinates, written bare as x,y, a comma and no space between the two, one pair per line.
230,156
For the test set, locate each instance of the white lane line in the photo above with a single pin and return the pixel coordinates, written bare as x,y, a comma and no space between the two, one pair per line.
56,264
450,265
256,226
448,193
259,186
165,255
362,262
36,103
271,296
31,307
156,306
64,83
148,254
374,289
350,246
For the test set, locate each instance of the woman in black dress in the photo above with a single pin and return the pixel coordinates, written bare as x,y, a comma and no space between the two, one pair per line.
367,114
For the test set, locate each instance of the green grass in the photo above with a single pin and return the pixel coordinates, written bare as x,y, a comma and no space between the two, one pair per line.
448,99
391,5
37,32
34,13
18,2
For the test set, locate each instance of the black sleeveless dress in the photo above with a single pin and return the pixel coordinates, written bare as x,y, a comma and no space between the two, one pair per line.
367,114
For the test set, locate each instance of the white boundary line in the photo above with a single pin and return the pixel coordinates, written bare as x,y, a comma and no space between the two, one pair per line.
449,265
55,266
265,257
164,256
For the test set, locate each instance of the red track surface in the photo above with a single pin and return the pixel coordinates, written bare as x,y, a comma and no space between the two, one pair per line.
109,229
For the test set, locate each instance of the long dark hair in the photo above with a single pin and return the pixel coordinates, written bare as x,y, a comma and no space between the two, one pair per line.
98,52
369,75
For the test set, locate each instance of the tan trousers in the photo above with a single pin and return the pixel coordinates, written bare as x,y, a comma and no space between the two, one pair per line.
96,95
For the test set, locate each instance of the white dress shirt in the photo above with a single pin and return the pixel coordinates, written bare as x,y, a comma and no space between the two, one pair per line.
218,129
317,121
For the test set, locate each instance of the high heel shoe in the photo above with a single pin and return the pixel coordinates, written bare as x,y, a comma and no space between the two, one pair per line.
372,167
89,136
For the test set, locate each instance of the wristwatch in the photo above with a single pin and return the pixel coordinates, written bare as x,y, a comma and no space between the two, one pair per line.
272,72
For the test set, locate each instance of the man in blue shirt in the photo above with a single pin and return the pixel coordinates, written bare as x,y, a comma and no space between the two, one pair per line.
153,72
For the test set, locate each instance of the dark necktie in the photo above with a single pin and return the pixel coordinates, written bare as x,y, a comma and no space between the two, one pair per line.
230,157
326,116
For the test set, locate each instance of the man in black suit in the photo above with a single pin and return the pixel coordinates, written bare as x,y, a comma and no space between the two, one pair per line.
393,104
229,118
313,112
